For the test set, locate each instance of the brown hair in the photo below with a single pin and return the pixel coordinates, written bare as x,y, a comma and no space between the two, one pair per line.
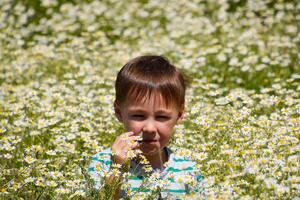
151,74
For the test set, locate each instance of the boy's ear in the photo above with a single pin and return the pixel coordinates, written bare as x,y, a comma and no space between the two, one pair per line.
118,111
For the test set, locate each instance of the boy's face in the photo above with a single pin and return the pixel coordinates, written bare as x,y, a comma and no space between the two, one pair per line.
153,119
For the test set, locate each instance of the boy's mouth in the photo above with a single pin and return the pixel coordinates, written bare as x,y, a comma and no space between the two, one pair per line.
146,141
141,139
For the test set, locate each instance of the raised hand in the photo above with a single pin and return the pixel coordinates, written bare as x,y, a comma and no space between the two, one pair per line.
123,143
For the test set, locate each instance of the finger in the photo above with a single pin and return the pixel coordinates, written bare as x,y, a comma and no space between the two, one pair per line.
127,134
130,133
131,138
136,145
126,143
134,137
134,134
123,136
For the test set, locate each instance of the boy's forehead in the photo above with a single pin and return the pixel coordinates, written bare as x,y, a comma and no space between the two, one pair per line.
156,102
146,104
144,109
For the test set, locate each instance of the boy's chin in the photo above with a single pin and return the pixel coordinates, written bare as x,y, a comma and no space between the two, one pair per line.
149,151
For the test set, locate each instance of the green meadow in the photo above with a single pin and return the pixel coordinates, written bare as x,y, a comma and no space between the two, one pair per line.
58,64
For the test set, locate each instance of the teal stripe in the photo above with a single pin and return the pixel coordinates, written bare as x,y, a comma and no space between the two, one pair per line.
135,178
180,160
171,169
104,153
175,191
199,177
147,190
91,169
107,162
139,189
171,180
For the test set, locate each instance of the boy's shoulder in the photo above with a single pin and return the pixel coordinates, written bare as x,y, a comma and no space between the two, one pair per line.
103,155
175,154
182,152
181,159
104,152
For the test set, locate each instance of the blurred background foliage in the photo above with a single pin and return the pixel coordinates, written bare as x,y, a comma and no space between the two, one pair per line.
58,64
239,18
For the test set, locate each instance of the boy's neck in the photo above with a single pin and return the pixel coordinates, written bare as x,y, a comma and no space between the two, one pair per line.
157,161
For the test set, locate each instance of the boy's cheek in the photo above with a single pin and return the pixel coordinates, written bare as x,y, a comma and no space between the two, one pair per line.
167,136
133,127
163,142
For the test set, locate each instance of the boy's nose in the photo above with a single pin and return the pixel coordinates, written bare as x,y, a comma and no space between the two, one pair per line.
149,128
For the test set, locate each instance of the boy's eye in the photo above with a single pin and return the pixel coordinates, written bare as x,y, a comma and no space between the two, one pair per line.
163,118
137,116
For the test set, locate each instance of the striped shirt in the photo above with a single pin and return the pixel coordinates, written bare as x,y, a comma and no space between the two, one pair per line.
179,178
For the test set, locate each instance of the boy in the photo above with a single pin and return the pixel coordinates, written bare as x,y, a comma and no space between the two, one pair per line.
150,94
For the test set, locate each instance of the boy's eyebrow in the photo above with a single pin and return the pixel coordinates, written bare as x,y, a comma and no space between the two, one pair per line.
157,112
